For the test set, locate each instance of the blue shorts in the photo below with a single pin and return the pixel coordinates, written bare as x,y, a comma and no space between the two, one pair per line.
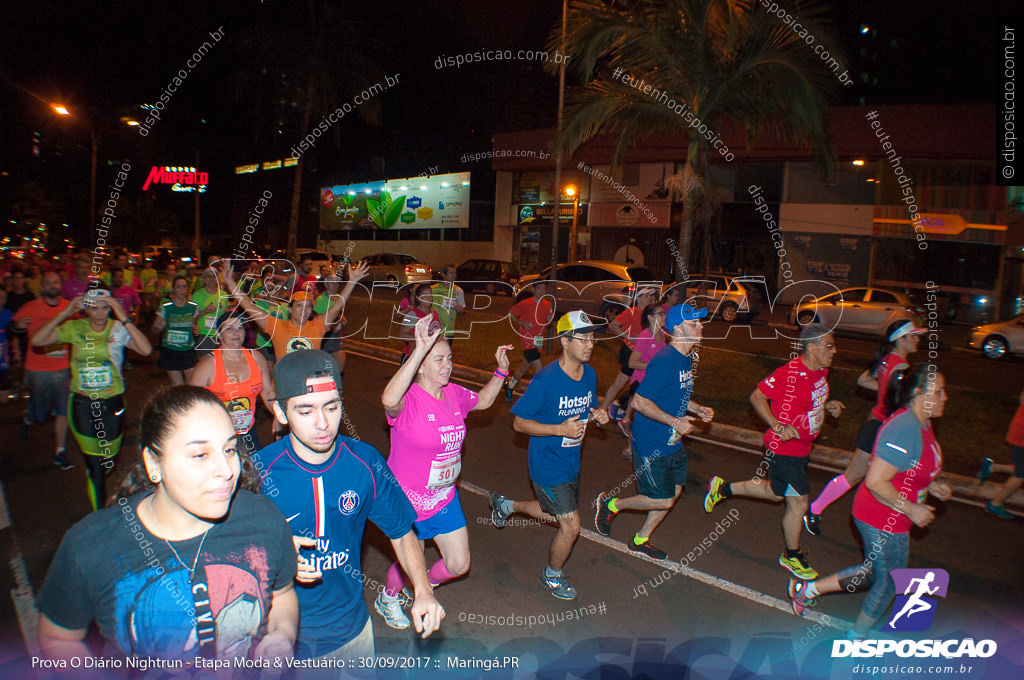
658,476
48,392
450,518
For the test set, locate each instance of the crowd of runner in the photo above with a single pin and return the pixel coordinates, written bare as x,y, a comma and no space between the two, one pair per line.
213,529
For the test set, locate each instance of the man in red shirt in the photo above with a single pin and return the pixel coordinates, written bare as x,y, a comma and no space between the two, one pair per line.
792,401
530,317
627,326
47,374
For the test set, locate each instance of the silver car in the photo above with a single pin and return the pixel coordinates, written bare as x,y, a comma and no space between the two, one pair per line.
728,297
996,340
397,268
865,311
597,287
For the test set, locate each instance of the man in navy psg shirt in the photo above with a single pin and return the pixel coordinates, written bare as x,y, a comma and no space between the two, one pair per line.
661,403
328,486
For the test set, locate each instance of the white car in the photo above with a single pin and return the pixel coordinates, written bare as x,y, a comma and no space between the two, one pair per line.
866,311
996,340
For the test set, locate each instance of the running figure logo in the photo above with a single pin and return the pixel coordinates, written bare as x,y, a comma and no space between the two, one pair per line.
914,610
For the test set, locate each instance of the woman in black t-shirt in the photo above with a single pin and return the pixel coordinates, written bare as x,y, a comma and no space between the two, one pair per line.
184,565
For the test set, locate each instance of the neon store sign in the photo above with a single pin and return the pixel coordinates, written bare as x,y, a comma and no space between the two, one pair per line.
182,179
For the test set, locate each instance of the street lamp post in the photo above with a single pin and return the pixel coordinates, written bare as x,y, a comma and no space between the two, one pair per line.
574,193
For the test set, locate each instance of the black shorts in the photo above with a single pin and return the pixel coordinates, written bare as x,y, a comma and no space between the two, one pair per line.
532,354
177,359
331,344
867,435
1018,460
788,475
658,476
206,344
559,500
624,353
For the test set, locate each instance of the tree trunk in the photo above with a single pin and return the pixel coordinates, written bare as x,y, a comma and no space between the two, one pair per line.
685,238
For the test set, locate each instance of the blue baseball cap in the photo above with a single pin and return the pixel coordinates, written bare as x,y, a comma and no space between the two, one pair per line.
679,313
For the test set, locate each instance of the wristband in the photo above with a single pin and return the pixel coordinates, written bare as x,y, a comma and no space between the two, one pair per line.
499,374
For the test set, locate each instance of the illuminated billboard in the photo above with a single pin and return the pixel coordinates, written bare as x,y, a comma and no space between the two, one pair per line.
435,202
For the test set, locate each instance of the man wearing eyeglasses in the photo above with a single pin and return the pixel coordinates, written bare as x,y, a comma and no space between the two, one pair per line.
554,411
792,401
661,403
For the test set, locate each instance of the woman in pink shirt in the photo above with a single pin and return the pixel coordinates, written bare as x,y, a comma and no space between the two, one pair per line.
648,343
427,415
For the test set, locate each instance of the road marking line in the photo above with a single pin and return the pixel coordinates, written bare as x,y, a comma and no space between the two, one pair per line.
697,575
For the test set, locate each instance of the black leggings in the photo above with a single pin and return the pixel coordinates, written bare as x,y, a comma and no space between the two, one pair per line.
96,425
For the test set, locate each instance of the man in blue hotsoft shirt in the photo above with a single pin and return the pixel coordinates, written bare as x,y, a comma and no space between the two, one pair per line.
661,404
554,412
328,486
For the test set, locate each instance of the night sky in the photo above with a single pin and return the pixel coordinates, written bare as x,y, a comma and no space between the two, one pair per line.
103,59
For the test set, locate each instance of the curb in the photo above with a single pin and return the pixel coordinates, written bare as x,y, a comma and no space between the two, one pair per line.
963,486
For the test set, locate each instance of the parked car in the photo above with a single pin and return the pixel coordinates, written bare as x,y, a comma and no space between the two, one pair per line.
595,286
398,268
318,257
728,296
996,340
866,311
479,276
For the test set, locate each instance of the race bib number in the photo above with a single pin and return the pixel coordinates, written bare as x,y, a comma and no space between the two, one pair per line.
815,419
444,473
210,322
96,377
241,415
177,337
568,442
538,341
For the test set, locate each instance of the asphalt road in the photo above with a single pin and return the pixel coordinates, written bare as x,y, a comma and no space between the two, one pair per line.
728,597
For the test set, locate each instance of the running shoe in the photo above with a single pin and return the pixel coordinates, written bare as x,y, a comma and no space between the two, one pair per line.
558,586
390,608
713,498
647,549
797,599
61,461
798,566
604,516
985,470
812,523
509,385
627,428
998,510
498,516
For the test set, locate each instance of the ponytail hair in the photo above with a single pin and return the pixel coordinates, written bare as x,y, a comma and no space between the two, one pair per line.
881,352
905,383
160,417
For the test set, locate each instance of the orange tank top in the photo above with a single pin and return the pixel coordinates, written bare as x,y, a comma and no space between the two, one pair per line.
239,397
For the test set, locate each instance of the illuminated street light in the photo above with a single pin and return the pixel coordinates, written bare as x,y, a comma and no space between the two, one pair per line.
858,163
62,110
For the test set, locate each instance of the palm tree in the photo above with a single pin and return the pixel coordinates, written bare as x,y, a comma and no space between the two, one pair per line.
720,61
314,65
